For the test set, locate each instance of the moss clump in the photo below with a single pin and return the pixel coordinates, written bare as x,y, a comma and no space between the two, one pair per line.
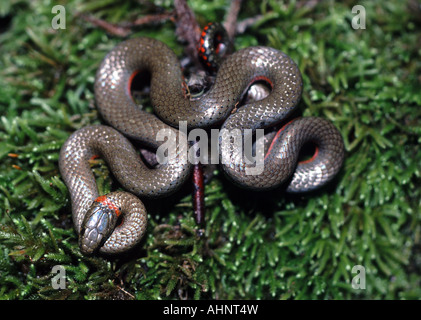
268,246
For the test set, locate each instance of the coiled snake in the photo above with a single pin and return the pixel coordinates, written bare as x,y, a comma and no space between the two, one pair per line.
95,215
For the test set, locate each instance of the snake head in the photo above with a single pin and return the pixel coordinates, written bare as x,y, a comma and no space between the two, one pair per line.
100,221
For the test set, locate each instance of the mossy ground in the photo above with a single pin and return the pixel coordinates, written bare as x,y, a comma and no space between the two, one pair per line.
267,246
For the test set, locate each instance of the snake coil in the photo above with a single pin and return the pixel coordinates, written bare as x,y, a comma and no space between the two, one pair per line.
95,216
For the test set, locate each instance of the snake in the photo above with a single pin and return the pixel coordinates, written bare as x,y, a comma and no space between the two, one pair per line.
116,222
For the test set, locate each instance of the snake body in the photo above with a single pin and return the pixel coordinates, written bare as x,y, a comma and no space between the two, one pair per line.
93,214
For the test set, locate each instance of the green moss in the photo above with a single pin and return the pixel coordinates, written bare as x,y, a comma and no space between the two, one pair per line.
268,246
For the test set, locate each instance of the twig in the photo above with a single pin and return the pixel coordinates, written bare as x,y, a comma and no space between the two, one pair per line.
125,28
198,195
111,28
187,29
231,19
124,291
243,25
149,19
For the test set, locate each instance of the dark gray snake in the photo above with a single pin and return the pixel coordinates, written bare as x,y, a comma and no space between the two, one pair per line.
95,215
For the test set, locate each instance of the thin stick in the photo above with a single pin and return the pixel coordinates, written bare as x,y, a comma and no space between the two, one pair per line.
187,29
231,19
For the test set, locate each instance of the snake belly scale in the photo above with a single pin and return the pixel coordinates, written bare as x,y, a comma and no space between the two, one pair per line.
95,215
